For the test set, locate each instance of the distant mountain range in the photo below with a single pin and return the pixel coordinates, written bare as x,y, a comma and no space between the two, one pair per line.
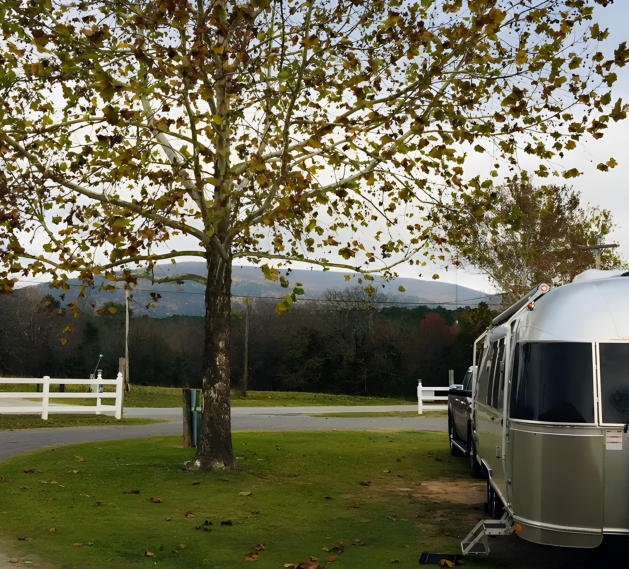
187,298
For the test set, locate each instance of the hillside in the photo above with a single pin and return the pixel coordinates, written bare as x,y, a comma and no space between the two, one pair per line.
187,298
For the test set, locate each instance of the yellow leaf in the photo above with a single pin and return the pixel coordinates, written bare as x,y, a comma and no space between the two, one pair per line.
112,309
521,57
218,49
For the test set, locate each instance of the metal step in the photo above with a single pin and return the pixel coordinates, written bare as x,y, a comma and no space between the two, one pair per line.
476,542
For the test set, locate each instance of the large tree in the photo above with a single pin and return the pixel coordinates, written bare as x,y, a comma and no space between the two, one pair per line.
135,131
531,235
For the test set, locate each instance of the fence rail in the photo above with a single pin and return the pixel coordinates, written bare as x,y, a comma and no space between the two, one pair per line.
45,395
429,395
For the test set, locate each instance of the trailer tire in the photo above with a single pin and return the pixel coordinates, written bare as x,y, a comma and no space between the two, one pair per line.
493,506
476,470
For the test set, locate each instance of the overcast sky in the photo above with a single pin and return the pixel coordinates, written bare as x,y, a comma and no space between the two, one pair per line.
609,190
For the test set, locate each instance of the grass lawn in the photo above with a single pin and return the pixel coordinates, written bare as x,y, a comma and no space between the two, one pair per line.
438,413
350,499
149,396
10,422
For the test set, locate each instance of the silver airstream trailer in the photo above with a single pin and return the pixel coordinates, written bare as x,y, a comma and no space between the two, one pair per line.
550,413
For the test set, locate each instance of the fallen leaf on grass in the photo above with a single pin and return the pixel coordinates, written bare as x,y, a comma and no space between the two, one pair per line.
392,517
149,554
331,558
155,500
340,548
14,560
357,542
80,458
227,523
75,471
52,530
312,563
77,544
365,483
251,557
131,492
189,515
260,547
244,493
31,471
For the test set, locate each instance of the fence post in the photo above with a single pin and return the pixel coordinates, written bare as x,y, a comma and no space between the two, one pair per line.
98,378
450,377
420,403
119,392
45,397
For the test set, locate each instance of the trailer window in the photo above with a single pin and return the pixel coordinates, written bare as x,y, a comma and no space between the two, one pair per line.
552,381
498,375
615,382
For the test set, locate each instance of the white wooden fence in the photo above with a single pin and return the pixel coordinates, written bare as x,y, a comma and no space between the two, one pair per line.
429,395
45,395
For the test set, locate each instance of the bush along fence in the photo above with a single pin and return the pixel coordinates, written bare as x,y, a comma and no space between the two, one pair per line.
45,407
429,395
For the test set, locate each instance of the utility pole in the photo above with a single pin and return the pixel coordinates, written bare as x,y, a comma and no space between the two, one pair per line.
596,249
245,372
128,288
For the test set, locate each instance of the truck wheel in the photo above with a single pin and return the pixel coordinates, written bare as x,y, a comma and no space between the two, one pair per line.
454,450
476,471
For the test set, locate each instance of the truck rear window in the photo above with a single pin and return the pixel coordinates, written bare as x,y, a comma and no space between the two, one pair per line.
615,382
553,382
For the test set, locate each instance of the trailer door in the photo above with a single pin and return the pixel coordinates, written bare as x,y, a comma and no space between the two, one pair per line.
489,416
614,400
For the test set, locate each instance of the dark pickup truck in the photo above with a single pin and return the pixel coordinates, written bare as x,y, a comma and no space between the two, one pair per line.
460,421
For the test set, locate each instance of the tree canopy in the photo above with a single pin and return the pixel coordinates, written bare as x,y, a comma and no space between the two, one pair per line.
532,235
135,131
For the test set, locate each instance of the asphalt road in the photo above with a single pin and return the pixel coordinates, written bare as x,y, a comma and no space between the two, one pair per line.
243,419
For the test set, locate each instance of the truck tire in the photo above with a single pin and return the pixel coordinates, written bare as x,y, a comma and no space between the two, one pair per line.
454,450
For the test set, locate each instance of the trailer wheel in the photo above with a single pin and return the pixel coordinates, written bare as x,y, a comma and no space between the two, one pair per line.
454,450
493,506
476,471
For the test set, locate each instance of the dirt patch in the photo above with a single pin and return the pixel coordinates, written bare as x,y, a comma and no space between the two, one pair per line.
452,491
12,556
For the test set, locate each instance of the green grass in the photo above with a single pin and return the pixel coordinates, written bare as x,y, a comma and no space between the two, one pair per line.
12,422
355,495
357,414
149,396
298,399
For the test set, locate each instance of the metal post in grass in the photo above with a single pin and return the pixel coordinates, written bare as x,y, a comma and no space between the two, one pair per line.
45,397
420,405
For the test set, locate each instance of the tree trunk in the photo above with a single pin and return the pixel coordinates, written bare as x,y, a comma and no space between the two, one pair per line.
214,449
